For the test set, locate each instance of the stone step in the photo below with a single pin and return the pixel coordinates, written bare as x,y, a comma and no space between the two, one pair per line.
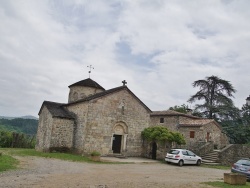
210,157
117,155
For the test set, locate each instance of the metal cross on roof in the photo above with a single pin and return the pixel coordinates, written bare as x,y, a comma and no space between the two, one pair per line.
90,67
124,82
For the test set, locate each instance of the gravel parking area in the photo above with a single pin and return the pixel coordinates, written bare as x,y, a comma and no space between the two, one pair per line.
53,173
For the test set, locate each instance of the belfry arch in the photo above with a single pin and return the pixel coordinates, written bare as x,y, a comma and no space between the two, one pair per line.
119,138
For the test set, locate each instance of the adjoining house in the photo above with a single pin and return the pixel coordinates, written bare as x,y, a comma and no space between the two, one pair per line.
111,122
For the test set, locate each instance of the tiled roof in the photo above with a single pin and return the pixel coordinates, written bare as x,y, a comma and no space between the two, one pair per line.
107,92
171,113
198,123
57,110
195,122
88,83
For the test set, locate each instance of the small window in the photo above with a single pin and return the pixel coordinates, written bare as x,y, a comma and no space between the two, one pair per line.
192,133
184,153
161,120
172,151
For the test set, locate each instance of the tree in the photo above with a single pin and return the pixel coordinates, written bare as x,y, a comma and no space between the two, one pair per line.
245,113
216,94
162,134
237,128
183,108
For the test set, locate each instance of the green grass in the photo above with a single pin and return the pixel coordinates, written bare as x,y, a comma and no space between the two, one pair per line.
225,185
7,162
62,156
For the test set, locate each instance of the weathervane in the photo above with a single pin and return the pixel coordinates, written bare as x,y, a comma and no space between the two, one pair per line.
90,67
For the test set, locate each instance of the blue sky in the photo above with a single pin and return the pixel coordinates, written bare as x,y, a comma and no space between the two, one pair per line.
159,47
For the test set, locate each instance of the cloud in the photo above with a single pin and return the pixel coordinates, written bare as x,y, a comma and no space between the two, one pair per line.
159,47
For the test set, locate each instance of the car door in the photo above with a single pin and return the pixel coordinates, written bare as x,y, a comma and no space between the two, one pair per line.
186,157
192,157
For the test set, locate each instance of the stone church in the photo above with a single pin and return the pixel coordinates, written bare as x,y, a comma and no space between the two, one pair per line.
111,121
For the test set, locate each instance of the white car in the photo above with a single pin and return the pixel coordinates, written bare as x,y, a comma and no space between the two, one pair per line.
182,156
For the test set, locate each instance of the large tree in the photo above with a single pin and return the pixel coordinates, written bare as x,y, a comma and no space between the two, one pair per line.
216,93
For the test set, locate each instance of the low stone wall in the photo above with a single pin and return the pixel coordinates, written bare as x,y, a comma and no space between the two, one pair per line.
233,153
206,148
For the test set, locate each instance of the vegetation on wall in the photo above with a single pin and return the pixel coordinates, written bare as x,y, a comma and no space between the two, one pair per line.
162,134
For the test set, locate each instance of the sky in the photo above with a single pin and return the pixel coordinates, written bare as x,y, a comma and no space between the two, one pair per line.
159,47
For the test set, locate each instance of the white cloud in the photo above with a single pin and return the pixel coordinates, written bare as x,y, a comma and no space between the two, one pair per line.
159,47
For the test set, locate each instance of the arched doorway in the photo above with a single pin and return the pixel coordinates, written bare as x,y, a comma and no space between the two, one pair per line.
119,137
154,149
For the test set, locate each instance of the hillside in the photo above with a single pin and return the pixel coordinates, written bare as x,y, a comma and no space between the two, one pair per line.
27,126
22,117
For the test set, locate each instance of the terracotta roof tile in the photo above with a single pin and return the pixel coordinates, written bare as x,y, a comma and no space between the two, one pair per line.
171,113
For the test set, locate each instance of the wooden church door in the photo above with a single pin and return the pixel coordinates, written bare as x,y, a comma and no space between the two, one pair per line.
116,146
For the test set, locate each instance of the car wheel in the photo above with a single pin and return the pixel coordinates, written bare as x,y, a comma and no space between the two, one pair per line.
198,162
180,163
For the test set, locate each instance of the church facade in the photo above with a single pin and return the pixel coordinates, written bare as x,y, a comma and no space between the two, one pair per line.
111,122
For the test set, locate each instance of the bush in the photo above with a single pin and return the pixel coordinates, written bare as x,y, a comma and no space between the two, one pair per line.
162,134
95,153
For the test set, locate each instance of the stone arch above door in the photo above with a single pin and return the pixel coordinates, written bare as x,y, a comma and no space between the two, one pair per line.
120,128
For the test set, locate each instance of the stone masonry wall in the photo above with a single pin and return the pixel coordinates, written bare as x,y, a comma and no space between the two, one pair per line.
62,134
170,122
81,112
233,153
54,133
80,92
103,114
44,130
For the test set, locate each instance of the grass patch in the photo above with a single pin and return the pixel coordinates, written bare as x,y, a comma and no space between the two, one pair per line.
225,185
7,162
62,156
33,152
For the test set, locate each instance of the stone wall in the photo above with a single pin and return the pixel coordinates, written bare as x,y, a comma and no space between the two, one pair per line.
203,148
44,130
62,135
81,112
215,135
80,92
100,118
54,133
233,153
170,122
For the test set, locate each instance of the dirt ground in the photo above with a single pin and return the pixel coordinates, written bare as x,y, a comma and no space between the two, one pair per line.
38,172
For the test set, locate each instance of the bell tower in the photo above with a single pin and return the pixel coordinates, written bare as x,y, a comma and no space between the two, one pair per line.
83,89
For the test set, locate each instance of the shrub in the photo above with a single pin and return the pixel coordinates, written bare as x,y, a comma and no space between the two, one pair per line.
95,153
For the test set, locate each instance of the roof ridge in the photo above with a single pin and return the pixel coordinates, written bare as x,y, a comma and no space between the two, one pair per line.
87,83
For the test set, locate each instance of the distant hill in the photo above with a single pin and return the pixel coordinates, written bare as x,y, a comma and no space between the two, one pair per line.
23,117
20,125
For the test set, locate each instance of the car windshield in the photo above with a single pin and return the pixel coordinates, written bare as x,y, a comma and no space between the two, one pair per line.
174,152
244,162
